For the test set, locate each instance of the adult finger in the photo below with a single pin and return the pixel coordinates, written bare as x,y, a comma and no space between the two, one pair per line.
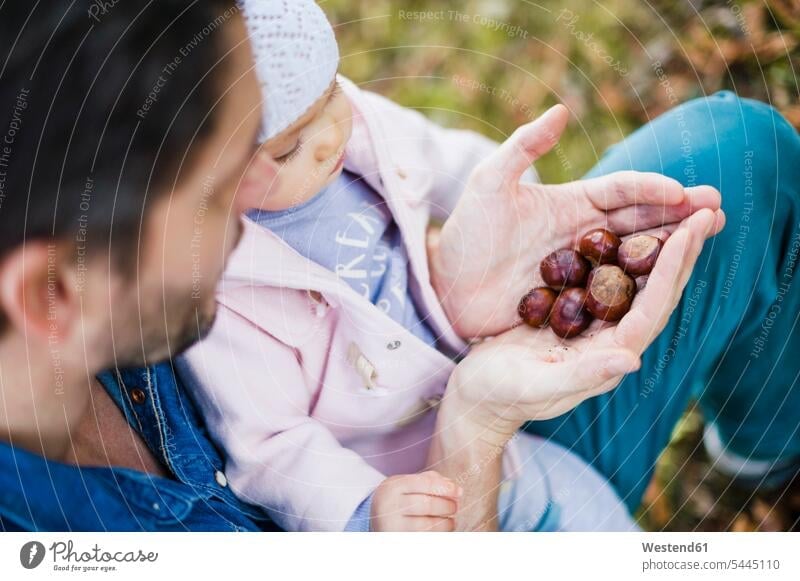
663,232
626,188
642,216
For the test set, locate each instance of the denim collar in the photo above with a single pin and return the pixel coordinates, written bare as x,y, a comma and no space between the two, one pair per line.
39,494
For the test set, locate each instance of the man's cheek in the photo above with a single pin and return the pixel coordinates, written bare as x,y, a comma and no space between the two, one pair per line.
238,231
209,258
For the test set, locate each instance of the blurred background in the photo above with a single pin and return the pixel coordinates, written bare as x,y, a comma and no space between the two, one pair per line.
491,65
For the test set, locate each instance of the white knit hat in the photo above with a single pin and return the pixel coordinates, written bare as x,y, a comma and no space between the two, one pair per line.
296,58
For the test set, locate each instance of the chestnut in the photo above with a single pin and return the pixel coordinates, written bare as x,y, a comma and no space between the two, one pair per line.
609,293
600,246
637,255
564,268
535,307
569,317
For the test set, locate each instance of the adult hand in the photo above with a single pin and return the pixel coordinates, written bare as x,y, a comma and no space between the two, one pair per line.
488,252
532,374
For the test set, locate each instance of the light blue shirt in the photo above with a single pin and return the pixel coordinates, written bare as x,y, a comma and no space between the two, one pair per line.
348,229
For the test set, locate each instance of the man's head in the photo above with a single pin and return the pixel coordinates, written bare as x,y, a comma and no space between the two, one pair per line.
125,141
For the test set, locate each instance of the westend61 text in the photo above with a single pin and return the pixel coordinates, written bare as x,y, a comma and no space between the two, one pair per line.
672,548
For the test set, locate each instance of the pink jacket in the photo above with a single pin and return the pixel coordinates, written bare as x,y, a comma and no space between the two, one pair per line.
314,393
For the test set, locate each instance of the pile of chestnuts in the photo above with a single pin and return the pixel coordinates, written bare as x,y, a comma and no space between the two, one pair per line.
594,282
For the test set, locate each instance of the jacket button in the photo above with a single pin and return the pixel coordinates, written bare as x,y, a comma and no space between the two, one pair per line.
401,173
362,365
138,396
433,401
221,479
320,304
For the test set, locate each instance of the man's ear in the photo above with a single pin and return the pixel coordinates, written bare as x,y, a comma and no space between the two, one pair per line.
37,294
260,178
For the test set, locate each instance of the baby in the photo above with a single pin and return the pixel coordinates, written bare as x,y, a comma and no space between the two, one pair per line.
330,352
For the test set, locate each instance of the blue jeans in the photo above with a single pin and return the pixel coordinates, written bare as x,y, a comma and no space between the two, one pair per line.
733,342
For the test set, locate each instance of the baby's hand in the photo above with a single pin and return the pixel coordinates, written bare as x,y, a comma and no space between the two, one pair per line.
415,502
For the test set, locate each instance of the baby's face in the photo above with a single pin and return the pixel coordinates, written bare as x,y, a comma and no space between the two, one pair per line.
310,152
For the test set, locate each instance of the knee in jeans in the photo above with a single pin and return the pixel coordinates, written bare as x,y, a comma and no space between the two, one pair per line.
757,125
749,135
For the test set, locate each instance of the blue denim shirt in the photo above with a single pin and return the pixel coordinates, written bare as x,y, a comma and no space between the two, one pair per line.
40,495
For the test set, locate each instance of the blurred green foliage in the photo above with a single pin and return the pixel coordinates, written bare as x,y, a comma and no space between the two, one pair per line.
491,65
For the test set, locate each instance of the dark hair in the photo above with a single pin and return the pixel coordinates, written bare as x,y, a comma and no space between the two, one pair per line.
98,103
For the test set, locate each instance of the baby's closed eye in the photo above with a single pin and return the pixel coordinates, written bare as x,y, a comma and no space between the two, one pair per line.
291,154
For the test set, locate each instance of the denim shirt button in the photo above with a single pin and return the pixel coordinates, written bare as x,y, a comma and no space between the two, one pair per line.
138,396
221,479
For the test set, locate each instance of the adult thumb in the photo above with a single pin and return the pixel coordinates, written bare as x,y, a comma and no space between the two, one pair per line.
527,144
596,366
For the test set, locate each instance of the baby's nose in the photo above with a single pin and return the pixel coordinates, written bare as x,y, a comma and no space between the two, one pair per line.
330,142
